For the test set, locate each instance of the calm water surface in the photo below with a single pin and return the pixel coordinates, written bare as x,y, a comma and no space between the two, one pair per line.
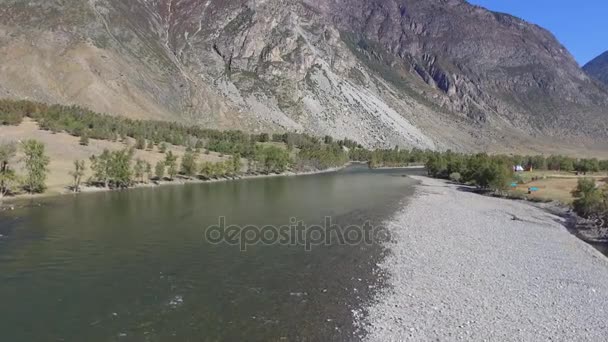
134,265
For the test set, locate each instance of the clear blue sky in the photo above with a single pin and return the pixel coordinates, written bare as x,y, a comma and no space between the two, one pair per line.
580,25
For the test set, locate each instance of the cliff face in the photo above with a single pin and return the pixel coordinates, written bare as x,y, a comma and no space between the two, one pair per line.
598,68
424,73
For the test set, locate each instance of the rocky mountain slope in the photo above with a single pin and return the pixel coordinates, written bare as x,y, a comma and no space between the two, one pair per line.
598,68
423,73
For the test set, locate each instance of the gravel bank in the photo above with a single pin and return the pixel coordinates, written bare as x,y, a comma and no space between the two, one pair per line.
468,267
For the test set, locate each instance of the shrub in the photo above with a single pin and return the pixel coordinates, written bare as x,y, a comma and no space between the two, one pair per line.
140,143
455,177
159,170
189,166
589,199
36,166
84,140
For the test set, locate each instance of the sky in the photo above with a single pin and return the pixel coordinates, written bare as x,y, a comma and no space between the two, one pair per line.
580,25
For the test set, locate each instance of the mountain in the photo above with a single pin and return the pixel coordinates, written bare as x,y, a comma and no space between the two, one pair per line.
598,68
424,73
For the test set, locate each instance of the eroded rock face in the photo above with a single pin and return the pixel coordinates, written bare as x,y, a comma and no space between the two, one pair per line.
417,73
598,68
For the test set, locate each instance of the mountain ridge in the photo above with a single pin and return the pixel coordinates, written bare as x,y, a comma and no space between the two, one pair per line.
430,74
598,68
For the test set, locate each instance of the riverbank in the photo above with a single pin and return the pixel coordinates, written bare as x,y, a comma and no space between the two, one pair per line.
470,267
9,203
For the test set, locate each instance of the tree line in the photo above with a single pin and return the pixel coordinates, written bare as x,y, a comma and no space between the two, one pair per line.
35,166
86,124
261,153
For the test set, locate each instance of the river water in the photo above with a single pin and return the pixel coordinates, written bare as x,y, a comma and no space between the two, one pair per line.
137,265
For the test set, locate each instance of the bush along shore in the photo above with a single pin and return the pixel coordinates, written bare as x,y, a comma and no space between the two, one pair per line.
494,175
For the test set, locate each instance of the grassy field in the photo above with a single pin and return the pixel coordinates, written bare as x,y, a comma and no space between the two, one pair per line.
553,185
63,149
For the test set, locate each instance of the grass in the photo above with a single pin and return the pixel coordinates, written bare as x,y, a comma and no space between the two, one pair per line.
553,185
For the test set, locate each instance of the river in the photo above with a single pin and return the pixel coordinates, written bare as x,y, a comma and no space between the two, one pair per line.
138,265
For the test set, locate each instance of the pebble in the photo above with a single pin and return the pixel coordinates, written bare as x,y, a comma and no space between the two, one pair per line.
458,266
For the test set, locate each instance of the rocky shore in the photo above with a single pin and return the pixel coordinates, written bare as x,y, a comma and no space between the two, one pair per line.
469,267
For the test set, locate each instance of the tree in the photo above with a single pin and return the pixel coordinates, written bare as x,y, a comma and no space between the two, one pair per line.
36,166
589,199
113,169
566,164
9,181
264,137
150,145
84,139
162,148
488,172
189,166
159,170
148,170
77,174
235,164
455,177
274,159
437,165
140,143
100,167
8,178
7,152
495,176
199,145
171,163
205,169
139,169
119,171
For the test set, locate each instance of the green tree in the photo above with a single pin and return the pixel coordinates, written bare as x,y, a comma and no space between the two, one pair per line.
113,169
199,145
273,159
77,174
589,199
235,164
7,152
84,139
8,178
100,166
148,170
150,145
189,166
36,166
159,170
9,181
140,143
119,171
264,137
171,163
455,177
118,168
566,164
494,175
437,165
205,169
162,148
139,170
